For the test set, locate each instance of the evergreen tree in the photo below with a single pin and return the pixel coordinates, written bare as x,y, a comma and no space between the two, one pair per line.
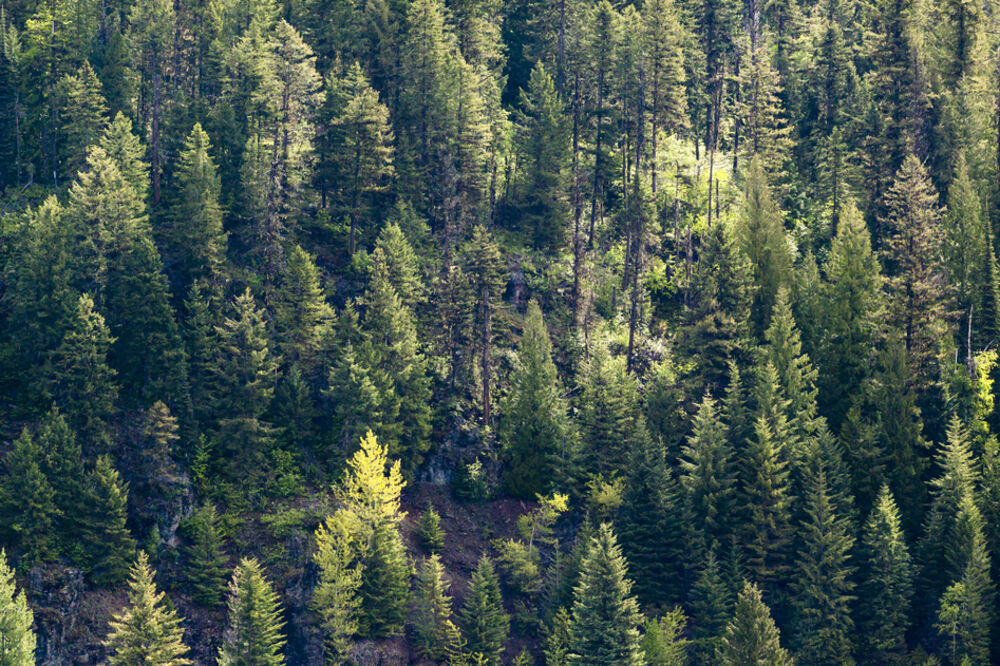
64,465
751,637
761,236
27,502
335,597
886,582
254,634
534,428
609,412
17,639
83,114
193,240
543,145
108,545
126,151
711,609
483,263
148,630
79,380
429,529
207,563
432,625
917,302
822,590
795,372
153,24
402,265
484,622
300,311
663,642
765,132
605,622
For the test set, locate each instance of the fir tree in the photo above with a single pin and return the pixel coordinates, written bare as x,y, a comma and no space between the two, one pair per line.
543,151
887,581
17,639
605,622
822,591
300,311
484,622
207,564
193,239
609,412
83,114
126,151
27,502
108,545
432,625
711,609
335,597
483,263
431,534
534,428
255,631
760,114
663,642
402,266
751,637
148,630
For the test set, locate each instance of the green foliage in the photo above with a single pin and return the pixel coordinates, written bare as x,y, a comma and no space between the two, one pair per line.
108,547
148,630
432,624
429,529
751,637
484,622
254,634
28,502
335,597
663,642
207,565
17,639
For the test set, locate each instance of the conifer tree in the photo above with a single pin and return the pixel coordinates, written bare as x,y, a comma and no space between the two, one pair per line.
432,625
359,151
916,299
148,630
64,466
255,631
886,581
483,620
605,623
822,590
711,609
83,114
207,564
79,380
402,266
795,372
760,114
534,428
751,637
108,545
153,24
17,639
335,597
194,242
543,152
483,263
663,642
761,236
609,412
27,502
244,372
126,151
709,480
429,529
852,292
300,311
663,34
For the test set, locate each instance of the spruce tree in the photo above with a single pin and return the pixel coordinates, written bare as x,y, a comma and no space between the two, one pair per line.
663,642
432,536
193,240
207,564
762,124
609,412
79,380
27,502
255,631
335,598
17,639
887,581
300,311
605,623
64,465
432,624
823,583
108,545
83,114
483,620
543,145
535,427
402,266
148,630
751,639
126,151
711,608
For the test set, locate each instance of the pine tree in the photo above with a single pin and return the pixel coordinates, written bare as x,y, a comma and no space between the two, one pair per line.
207,564
887,581
370,494
108,545
708,478
193,240
359,151
605,622
484,622
663,34
543,144
79,380
535,427
17,639
255,631
244,372
852,292
432,610
761,235
917,303
27,502
335,597
148,630
751,637
823,585
429,529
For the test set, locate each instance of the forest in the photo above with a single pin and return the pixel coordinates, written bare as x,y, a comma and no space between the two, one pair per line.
485,332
